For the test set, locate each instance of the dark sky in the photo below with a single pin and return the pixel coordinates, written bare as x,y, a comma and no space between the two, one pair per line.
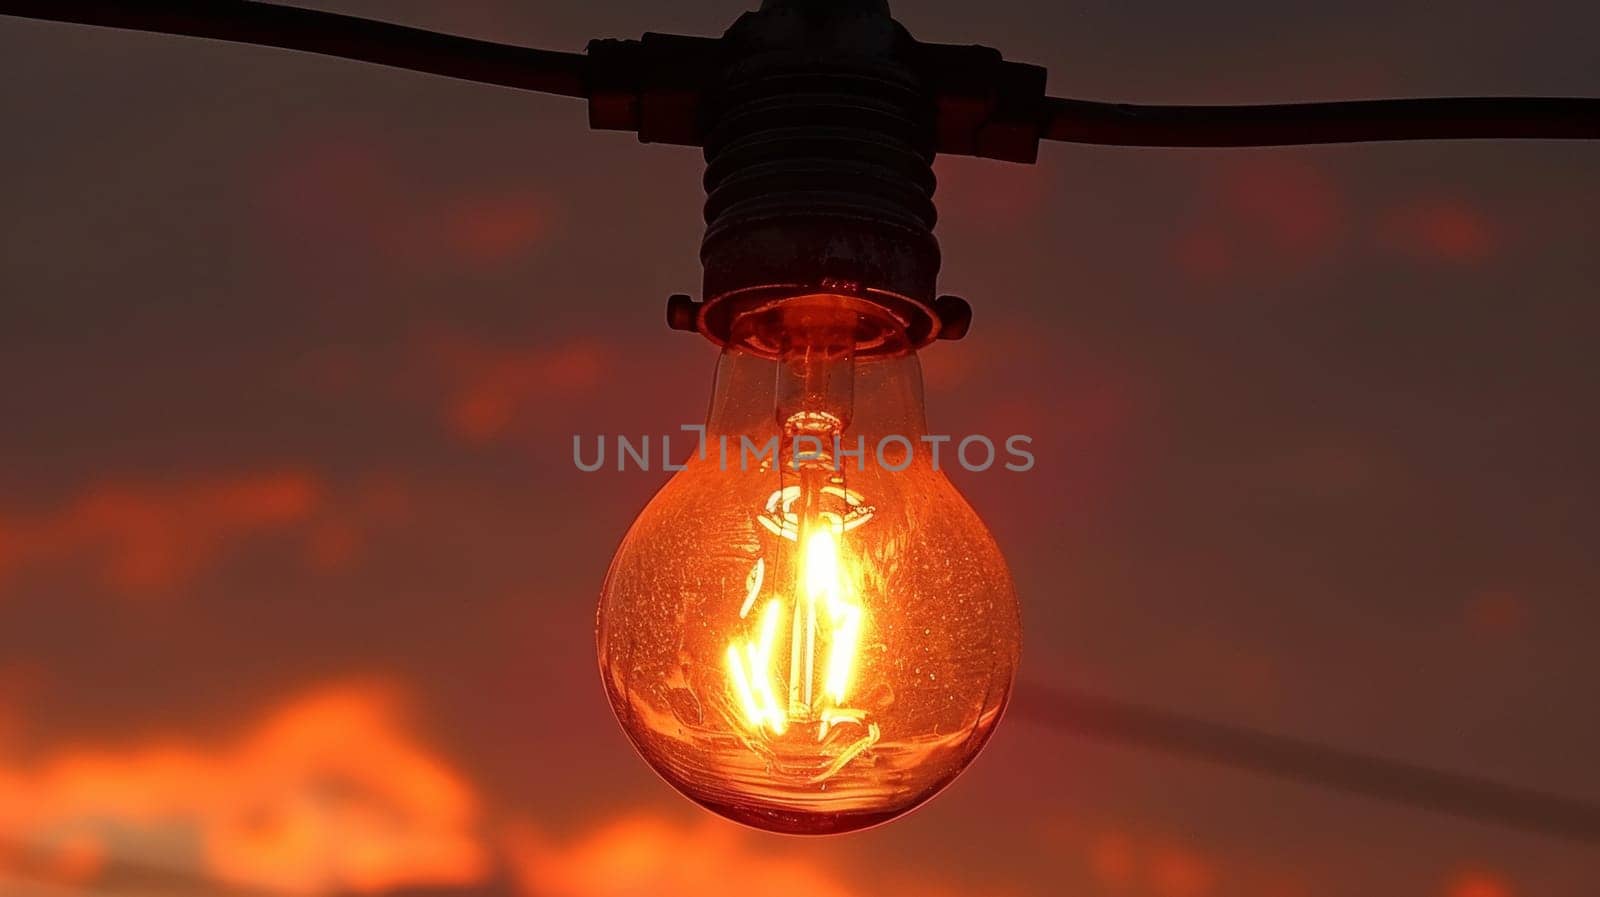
292,350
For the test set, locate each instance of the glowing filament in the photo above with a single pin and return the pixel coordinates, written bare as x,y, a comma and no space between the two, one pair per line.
824,583
825,624
752,587
751,672
846,619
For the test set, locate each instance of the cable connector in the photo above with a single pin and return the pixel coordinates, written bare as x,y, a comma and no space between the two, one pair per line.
655,86
986,106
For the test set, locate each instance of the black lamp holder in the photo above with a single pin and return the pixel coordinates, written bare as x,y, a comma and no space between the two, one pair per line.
820,120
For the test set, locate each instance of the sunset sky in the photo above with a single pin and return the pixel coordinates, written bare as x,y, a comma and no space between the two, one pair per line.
298,579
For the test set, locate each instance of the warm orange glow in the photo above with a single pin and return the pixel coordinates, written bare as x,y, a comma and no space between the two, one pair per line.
647,855
828,613
149,537
802,646
1479,884
328,794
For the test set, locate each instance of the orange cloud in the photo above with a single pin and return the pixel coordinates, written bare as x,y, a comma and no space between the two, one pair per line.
1273,217
330,793
1181,872
646,855
1157,864
1292,205
1478,884
1113,861
1495,614
339,195
1124,864
1450,231
145,537
479,390
492,229
491,385
338,535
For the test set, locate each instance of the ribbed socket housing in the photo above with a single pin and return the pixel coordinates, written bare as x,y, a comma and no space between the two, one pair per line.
819,179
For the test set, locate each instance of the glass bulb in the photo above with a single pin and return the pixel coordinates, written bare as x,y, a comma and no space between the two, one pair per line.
797,637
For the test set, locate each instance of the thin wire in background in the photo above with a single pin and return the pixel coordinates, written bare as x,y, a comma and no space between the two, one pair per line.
1308,762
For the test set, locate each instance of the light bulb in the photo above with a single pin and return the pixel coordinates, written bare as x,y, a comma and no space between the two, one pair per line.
804,639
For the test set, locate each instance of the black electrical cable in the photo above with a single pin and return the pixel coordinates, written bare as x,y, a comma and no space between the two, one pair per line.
1309,763
1073,121
329,34
1445,118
